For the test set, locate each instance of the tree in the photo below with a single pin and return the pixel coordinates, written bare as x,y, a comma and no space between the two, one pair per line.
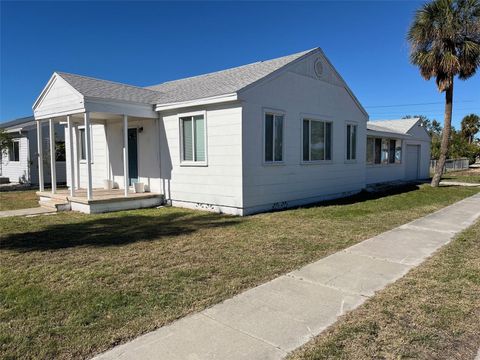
5,142
461,148
470,127
445,42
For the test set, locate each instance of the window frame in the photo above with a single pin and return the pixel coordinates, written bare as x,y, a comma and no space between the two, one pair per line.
12,150
351,124
79,146
384,162
311,118
180,117
274,112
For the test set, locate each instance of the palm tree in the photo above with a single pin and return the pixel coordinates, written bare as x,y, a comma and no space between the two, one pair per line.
445,42
470,127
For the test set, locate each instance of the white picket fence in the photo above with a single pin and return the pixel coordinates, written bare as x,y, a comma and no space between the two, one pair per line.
451,164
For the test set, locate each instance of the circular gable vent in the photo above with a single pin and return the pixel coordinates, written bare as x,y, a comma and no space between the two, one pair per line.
318,67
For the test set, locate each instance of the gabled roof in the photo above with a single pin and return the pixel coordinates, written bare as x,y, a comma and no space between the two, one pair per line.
192,88
221,82
104,89
400,126
212,86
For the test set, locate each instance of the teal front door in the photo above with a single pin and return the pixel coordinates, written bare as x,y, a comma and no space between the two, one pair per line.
132,156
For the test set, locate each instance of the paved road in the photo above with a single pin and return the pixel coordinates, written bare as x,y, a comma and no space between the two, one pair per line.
271,320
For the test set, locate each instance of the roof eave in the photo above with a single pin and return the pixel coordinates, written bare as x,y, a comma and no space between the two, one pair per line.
388,134
197,102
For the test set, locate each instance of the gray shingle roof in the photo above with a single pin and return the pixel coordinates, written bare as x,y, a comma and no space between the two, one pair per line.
192,88
400,126
221,82
105,89
16,122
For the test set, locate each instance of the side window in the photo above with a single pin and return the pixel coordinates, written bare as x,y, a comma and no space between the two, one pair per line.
81,144
193,138
398,151
384,151
378,151
317,140
351,142
273,141
14,151
391,158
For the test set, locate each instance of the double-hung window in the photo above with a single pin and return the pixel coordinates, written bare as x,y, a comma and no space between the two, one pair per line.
351,142
317,140
14,151
273,137
193,139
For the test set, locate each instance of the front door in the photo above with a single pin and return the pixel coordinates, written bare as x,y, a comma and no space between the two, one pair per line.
132,156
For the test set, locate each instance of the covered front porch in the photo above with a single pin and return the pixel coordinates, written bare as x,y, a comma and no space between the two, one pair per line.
112,149
103,200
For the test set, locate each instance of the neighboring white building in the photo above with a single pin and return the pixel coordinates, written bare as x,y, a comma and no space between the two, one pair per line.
263,136
397,150
19,163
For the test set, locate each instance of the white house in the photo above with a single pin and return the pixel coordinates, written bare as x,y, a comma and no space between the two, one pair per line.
19,163
267,135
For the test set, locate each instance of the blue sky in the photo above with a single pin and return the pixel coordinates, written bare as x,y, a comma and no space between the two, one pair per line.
145,43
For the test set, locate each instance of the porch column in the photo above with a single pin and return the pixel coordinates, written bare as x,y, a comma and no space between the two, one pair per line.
40,155
72,158
53,168
125,154
88,154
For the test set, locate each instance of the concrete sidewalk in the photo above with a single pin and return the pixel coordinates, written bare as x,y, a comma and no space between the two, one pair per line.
458,183
269,321
26,212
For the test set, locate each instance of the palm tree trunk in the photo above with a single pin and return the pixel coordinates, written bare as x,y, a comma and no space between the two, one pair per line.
447,128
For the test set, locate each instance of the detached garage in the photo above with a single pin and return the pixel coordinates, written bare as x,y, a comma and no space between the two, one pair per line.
397,150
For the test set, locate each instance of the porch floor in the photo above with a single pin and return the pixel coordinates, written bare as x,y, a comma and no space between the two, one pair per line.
99,195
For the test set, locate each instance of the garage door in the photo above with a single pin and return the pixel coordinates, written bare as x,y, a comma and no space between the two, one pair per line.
412,162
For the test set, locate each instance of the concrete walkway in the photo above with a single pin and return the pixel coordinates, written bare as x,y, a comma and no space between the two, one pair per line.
269,321
458,183
26,212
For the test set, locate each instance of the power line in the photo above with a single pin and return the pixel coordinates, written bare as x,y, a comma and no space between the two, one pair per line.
423,112
417,104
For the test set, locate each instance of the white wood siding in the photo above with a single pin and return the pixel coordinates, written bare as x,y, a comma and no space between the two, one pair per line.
58,97
300,94
107,154
148,152
99,158
16,171
217,186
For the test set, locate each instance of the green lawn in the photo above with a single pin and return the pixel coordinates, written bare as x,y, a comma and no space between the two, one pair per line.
13,200
72,285
431,313
469,176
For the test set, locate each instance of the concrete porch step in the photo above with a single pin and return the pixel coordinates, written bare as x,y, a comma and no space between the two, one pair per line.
54,204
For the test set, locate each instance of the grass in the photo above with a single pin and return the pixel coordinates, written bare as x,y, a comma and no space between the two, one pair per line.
431,313
72,285
468,176
13,200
